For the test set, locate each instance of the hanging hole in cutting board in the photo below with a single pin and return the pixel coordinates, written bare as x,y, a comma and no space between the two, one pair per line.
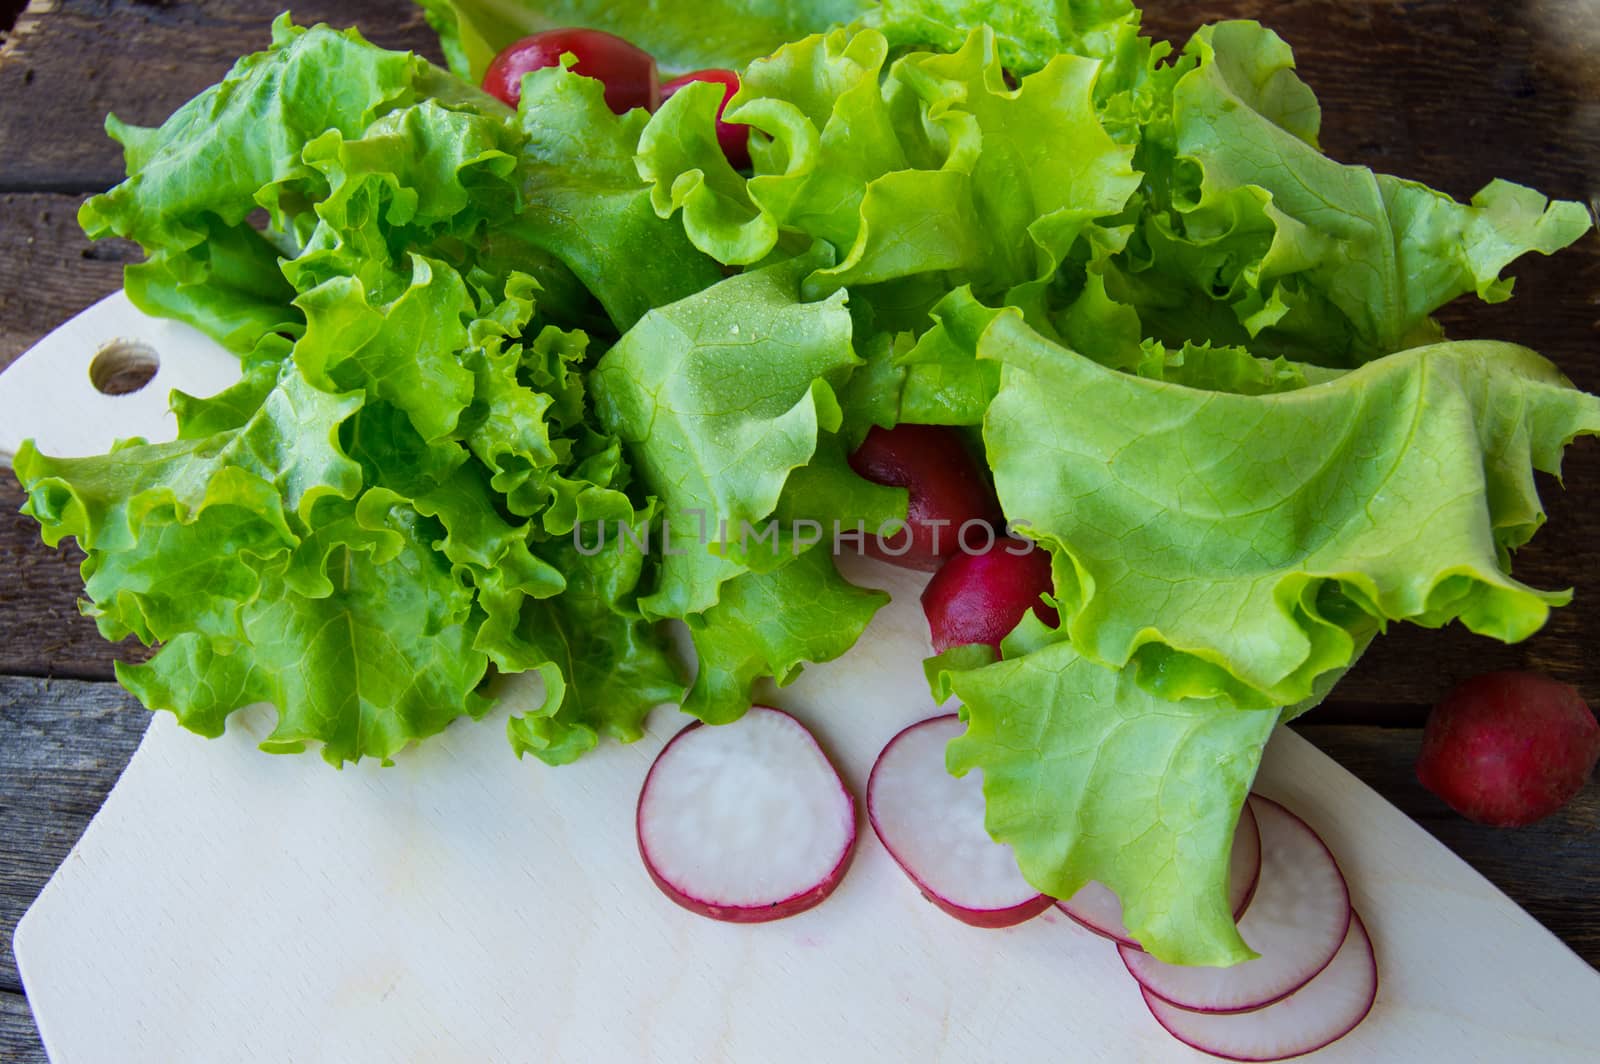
122,367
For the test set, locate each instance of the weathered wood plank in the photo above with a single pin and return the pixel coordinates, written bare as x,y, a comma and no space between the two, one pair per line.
19,1038
66,64
62,746
49,270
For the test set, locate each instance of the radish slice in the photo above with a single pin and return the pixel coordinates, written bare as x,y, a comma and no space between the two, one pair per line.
746,821
1318,1014
1296,923
1097,908
932,825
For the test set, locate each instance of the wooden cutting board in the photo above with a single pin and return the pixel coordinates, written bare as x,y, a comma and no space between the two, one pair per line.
227,905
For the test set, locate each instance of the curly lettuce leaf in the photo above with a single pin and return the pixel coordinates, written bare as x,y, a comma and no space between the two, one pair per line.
682,37
604,666
1088,776
720,397
582,200
943,174
194,182
1303,253
1227,545
270,575
1031,32
374,655
411,433
770,624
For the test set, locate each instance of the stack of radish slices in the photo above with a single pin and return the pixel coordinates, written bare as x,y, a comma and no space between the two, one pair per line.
1316,978
751,822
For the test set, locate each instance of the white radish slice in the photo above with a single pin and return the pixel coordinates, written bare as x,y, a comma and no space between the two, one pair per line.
932,825
746,821
1296,923
1097,908
1318,1014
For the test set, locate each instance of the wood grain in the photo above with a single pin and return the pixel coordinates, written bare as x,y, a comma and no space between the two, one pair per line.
49,270
19,1038
62,746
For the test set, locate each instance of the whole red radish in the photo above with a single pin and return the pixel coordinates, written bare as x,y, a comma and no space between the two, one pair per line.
950,495
735,139
980,598
1509,748
628,73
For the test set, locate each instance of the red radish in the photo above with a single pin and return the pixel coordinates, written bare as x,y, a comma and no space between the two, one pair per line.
747,821
1296,922
1320,1013
1099,910
735,139
932,825
981,597
629,73
1509,748
949,494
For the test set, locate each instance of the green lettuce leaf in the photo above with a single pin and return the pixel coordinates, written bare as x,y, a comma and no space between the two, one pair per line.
942,174
1030,32
720,397
770,624
582,200
1302,253
374,655
1238,545
194,183
1087,776
604,666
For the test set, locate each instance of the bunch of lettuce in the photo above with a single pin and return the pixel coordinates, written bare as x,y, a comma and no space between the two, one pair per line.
1198,352
409,485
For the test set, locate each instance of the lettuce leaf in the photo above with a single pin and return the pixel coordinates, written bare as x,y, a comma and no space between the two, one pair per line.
719,398
194,183
1227,545
411,432
1305,254
943,170
768,624
604,666
377,657
1030,33
1087,776
581,200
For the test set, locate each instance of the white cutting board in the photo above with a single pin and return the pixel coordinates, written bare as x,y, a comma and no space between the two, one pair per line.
227,905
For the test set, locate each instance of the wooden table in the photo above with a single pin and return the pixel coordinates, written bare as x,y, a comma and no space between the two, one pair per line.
1451,92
